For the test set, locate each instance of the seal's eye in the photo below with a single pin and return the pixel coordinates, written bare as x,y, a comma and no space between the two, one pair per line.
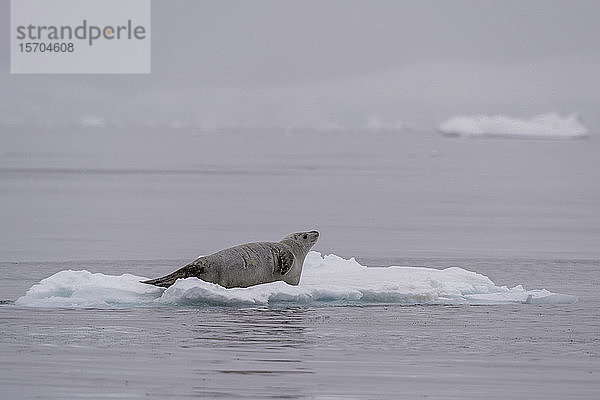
305,236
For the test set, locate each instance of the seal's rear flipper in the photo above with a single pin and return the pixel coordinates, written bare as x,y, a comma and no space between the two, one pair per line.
165,281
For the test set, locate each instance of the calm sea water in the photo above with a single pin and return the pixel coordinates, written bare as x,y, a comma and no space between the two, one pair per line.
519,212
386,351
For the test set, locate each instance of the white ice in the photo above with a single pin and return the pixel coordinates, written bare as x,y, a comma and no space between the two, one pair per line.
549,125
325,280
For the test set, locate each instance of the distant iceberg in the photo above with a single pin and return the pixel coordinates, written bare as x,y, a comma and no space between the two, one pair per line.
549,125
378,124
332,127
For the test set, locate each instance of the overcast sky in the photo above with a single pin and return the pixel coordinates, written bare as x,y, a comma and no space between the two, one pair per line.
294,63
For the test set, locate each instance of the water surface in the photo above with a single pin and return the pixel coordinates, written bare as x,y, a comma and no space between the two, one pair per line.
145,201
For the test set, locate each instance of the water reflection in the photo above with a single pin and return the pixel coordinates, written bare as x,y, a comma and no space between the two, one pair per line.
262,349
263,327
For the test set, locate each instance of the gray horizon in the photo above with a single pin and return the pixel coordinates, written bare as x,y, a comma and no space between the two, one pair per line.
313,64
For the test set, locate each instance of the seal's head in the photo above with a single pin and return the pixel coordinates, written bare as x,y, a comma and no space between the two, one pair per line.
305,240
299,244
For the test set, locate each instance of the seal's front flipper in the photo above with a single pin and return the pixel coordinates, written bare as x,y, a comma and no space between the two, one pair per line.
285,261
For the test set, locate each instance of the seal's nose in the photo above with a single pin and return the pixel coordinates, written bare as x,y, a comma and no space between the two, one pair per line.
315,233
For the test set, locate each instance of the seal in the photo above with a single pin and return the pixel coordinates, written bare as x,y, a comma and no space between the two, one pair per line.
249,264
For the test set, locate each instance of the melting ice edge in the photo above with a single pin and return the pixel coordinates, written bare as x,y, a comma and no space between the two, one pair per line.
325,280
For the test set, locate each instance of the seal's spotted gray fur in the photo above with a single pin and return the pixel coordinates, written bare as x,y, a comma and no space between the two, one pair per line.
249,264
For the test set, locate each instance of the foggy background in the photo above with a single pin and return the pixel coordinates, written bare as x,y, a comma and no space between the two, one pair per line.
266,117
322,64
